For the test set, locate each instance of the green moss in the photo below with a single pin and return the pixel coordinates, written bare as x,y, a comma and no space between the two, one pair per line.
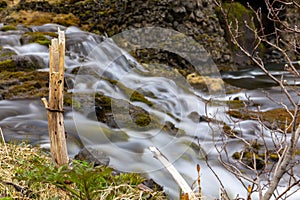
8,65
142,119
7,54
236,103
276,118
115,136
8,28
297,152
236,10
240,114
22,88
255,146
236,155
22,84
228,131
133,94
103,101
40,38
68,101
274,157
136,96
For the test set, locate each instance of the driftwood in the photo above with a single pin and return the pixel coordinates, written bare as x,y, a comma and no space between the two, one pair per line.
186,189
54,108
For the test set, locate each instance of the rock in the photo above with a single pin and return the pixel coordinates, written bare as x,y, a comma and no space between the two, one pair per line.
205,83
92,155
150,183
193,18
3,4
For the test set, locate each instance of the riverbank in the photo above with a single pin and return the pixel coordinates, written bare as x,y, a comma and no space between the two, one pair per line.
27,172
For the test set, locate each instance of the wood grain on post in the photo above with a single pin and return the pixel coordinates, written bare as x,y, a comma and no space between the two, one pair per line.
58,146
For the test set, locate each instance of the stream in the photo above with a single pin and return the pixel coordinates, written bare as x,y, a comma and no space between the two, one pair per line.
173,100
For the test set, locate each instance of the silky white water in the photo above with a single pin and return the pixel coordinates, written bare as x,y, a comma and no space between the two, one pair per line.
128,146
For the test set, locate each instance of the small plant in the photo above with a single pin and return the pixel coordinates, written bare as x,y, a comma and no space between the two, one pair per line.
84,181
27,172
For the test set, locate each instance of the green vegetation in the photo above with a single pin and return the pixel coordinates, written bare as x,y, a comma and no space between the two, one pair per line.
9,65
22,84
103,101
8,28
142,119
28,173
69,101
133,94
240,17
38,37
273,119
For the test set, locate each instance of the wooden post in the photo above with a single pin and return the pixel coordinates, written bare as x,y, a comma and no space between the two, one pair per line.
58,146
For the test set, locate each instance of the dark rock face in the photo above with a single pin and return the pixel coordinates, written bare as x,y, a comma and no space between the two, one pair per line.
287,14
196,19
3,4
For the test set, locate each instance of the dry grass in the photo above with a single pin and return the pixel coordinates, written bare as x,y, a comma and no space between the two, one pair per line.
22,158
22,155
39,18
14,2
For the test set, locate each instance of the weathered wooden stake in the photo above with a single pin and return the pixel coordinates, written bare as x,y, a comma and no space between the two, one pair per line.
58,146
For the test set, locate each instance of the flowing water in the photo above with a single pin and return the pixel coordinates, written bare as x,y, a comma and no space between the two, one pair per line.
173,101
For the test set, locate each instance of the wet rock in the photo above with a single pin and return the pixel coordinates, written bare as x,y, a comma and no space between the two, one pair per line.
92,155
170,128
150,183
205,83
23,63
3,4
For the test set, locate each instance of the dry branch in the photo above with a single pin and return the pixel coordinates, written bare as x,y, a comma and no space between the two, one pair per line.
186,189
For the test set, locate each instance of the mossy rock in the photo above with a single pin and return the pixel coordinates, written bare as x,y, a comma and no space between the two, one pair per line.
133,95
8,28
242,18
6,53
256,151
142,119
16,63
8,65
251,156
118,113
171,129
69,101
273,119
43,38
115,136
15,85
236,11
103,101
3,4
